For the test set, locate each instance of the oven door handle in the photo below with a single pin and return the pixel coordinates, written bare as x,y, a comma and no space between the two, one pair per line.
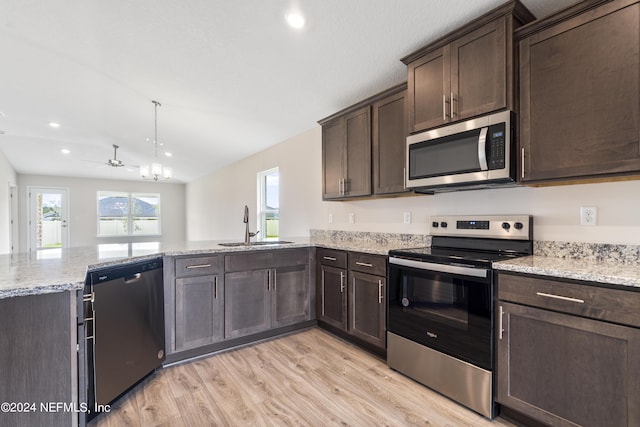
443,268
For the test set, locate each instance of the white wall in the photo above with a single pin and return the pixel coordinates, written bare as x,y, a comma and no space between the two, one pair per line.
7,179
83,217
215,202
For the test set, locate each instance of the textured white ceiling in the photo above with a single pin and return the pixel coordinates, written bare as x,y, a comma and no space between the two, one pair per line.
232,77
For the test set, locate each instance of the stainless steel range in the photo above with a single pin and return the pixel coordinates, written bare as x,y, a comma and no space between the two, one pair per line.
440,304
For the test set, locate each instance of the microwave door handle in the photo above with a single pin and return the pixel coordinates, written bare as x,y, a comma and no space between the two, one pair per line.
482,149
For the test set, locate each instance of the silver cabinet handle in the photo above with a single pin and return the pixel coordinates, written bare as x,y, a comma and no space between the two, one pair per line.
451,105
189,267
563,298
404,178
522,164
444,107
268,280
341,282
215,287
275,280
380,287
364,264
329,258
322,293
500,324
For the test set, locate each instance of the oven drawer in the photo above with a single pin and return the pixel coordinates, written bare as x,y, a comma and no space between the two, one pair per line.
196,266
332,257
582,299
367,263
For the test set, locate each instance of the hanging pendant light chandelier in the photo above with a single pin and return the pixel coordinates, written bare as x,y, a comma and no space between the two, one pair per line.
155,171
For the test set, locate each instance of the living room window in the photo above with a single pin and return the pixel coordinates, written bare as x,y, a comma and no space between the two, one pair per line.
128,214
269,203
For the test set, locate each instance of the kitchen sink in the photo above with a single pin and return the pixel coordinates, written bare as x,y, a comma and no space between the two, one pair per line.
263,243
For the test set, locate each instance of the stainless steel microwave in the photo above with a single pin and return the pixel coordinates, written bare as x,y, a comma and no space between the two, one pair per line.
476,153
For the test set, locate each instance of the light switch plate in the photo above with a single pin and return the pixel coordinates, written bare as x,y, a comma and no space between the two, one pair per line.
352,218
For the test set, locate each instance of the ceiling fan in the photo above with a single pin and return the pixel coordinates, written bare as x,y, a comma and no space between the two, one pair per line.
115,162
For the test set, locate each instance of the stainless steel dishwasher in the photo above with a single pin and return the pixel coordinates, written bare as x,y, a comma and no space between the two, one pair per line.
124,329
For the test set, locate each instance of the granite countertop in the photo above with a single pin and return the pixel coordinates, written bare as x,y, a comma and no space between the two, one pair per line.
586,269
57,270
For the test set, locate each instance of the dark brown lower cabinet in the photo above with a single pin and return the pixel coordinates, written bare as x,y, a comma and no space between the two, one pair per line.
259,300
563,369
333,296
199,311
367,307
351,296
38,360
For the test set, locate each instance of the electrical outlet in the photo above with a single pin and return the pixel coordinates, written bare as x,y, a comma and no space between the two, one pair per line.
407,217
588,215
352,218
330,218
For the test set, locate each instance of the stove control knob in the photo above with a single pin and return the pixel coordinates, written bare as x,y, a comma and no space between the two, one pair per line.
506,225
518,226
443,224
434,224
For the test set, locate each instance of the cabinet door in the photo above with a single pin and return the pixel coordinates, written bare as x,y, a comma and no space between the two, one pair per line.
333,296
247,303
479,71
290,295
358,143
429,88
567,370
389,144
579,89
367,307
333,159
199,311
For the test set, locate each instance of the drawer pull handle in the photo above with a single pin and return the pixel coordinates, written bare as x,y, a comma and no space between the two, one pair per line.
189,267
329,258
364,264
542,294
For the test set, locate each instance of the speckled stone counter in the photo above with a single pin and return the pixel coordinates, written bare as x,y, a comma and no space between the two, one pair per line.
603,263
369,242
57,270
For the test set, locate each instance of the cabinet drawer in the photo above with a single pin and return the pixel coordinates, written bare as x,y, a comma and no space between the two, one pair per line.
196,266
583,299
366,263
332,257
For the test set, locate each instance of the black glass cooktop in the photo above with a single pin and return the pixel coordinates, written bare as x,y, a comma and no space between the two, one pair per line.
467,251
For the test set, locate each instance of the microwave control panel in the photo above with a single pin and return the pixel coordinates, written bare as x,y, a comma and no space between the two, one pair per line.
497,138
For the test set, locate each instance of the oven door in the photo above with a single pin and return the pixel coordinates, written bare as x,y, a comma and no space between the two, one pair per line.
443,306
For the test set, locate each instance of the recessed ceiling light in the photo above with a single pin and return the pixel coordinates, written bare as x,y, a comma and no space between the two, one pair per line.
295,20
54,125
168,154
65,151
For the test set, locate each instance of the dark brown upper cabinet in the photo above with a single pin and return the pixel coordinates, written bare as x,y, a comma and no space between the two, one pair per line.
363,148
579,93
346,155
466,73
390,143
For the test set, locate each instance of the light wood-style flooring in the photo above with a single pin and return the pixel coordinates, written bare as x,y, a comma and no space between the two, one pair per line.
309,378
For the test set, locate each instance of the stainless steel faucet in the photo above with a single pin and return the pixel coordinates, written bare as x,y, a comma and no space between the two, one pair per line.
247,234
